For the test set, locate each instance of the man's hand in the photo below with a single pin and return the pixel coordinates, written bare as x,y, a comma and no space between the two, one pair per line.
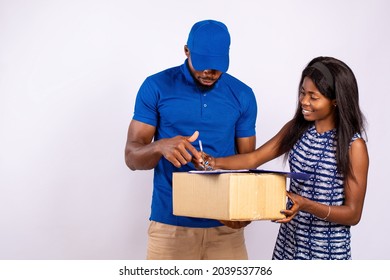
178,150
236,224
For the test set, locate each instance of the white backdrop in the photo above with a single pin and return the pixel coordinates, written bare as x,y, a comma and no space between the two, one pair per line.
69,74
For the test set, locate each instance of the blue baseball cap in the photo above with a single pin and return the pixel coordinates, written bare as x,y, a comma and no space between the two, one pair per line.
209,43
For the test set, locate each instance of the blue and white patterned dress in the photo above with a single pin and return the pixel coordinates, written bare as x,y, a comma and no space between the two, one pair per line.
307,236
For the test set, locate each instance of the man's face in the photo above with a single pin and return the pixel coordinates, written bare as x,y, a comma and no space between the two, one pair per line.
206,78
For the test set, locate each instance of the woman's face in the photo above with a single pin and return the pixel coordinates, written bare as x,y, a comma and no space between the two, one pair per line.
316,107
205,78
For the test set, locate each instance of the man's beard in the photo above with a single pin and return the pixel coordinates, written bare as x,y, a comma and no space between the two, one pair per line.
204,88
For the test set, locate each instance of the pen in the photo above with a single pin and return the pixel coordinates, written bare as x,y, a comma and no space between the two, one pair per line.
201,150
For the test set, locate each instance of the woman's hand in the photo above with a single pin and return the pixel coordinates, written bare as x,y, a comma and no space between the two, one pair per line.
297,201
206,162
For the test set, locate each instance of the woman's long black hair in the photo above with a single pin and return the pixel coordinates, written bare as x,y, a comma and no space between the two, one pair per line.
348,119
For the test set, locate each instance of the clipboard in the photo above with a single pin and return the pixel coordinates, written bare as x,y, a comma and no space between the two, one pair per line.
292,175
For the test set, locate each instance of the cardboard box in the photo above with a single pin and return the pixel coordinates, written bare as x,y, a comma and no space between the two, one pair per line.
229,196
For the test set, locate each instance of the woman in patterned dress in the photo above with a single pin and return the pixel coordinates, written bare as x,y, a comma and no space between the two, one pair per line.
324,139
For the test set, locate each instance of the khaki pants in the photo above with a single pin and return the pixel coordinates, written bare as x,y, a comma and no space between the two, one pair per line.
167,242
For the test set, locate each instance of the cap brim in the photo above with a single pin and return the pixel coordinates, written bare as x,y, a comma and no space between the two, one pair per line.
207,62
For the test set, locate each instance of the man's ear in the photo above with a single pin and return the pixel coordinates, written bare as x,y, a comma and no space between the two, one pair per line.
186,51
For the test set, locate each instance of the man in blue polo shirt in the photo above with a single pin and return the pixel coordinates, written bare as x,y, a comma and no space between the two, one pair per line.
173,108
